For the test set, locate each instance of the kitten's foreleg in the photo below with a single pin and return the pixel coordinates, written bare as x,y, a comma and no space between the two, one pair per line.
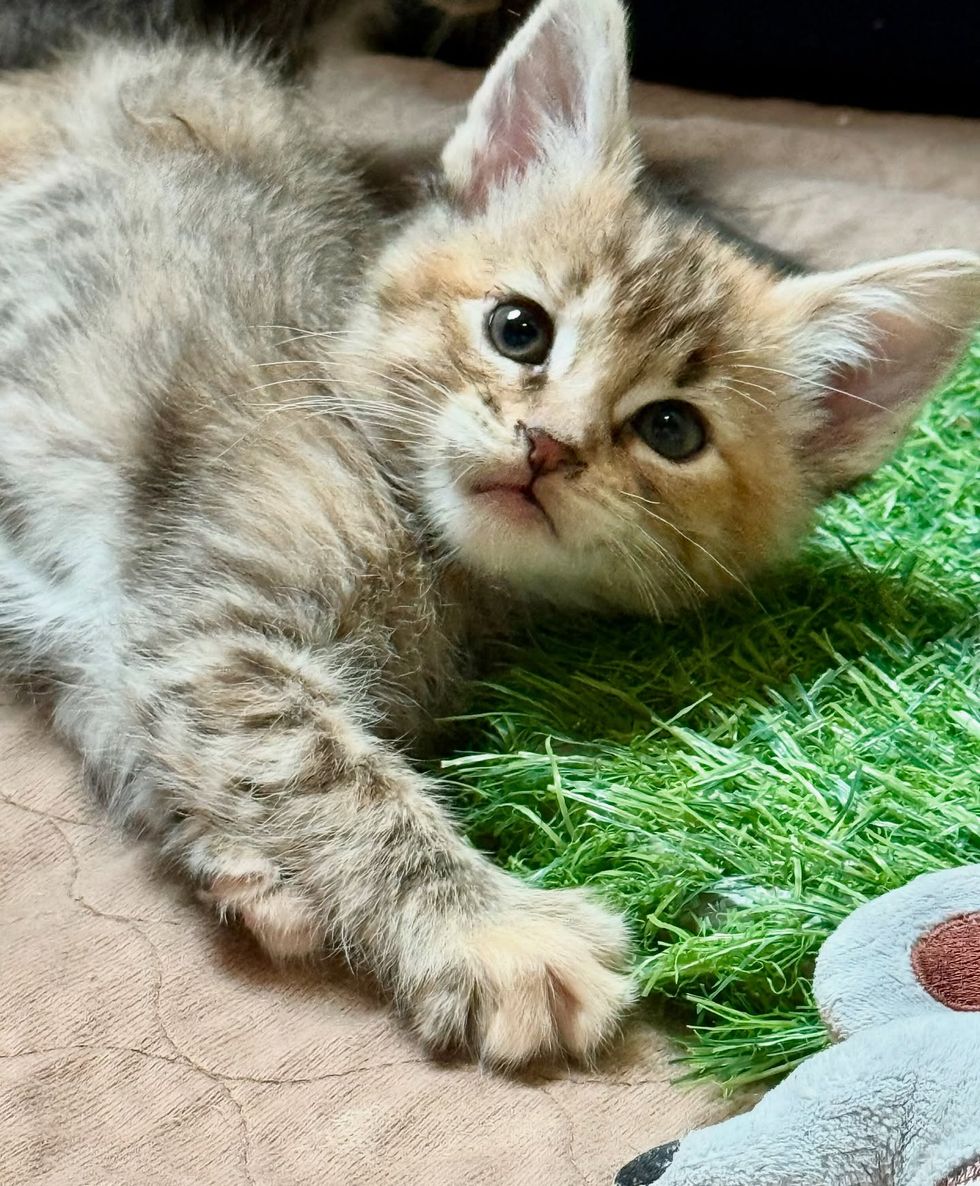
273,794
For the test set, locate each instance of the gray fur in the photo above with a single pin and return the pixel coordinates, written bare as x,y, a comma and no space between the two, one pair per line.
221,648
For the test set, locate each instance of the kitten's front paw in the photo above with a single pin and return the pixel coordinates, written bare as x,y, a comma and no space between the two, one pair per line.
540,978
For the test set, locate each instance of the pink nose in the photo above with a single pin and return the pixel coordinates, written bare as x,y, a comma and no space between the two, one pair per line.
546,454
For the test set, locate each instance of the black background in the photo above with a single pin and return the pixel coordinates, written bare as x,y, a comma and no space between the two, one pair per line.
917,56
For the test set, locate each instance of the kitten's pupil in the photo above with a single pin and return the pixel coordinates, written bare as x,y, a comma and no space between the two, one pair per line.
522,331
672,428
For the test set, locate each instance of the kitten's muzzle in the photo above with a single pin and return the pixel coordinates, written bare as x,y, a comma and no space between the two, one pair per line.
511,490
545,455
514,486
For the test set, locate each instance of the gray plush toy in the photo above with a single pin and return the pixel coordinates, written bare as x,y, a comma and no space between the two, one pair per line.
896,1101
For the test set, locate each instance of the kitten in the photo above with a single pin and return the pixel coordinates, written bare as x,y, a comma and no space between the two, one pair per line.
272,463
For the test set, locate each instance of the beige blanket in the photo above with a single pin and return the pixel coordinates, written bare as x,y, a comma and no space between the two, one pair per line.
141,1044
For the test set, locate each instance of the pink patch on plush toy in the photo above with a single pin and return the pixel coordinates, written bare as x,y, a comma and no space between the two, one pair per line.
946,962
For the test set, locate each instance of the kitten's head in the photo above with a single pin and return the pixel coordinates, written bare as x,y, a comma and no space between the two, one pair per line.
604,403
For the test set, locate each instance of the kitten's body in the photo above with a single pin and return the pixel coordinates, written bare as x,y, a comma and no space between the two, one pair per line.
249,561
156,298
230,596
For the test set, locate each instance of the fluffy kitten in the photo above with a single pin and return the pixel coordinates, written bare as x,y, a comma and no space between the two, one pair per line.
271,464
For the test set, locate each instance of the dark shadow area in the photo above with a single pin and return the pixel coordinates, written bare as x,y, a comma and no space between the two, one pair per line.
797,625
883,54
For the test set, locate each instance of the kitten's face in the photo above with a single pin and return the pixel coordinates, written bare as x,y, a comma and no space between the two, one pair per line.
605,411
605,404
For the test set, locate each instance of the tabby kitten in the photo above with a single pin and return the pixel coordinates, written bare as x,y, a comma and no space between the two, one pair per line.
271,464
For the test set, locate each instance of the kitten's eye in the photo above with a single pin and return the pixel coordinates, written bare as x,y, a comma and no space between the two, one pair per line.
672,428
522,331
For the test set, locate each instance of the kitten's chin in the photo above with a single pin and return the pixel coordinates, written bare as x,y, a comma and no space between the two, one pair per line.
502,534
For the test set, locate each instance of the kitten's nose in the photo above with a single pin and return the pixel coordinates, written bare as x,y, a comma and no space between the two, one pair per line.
546,453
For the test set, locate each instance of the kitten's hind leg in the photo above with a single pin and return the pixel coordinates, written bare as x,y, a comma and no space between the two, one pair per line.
274,796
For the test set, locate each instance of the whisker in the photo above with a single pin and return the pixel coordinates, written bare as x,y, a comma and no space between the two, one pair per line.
735,391
812,383
659,551
697,544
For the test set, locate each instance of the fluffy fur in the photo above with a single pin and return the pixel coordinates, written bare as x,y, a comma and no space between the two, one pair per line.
245,423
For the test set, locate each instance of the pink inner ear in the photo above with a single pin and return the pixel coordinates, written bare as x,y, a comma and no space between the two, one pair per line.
856,401
867,406
544,89
905,352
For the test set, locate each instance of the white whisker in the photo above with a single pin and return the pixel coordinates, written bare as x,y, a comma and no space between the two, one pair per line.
812,383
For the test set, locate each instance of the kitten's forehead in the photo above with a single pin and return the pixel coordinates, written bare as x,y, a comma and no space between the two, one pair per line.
635,279
632,289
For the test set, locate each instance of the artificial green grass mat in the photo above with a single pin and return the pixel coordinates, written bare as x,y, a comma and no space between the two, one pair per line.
739,781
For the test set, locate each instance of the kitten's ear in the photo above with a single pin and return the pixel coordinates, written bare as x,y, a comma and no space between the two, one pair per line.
871,344
555,99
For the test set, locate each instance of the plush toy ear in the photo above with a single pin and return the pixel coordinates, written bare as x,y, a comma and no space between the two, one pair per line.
555,100
914,952
870,345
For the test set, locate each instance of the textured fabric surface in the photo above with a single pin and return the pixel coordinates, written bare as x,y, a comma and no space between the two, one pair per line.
140,1043
968,1173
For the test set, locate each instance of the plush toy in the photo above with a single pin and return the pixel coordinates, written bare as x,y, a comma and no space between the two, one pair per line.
896,1102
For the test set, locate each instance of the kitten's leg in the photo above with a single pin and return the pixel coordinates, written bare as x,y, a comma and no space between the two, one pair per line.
274,796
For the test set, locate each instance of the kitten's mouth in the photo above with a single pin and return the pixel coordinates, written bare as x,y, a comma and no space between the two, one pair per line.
512,499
